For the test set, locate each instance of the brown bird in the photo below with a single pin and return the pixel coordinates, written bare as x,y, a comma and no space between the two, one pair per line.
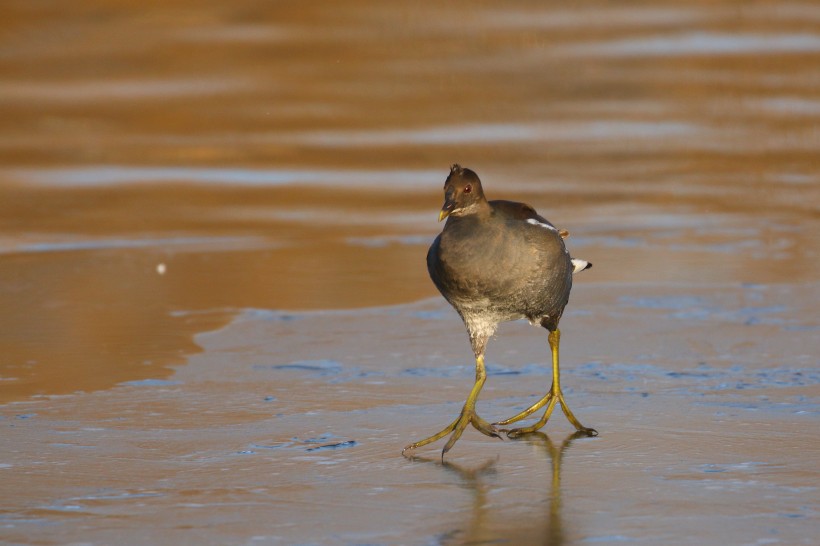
496,261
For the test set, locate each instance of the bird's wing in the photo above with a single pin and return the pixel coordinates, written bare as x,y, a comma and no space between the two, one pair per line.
517,211
525,213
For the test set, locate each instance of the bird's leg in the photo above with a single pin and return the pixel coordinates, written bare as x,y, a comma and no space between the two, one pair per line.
468,416
553,397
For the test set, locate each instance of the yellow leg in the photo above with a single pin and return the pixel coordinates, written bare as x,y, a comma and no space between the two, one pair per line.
468,416
553,397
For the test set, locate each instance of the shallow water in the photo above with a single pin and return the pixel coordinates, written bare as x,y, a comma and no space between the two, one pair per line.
215,321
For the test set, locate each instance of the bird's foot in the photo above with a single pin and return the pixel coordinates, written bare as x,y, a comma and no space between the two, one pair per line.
455,430
527,412
550,400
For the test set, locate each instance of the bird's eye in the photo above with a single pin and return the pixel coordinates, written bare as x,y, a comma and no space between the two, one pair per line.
468,188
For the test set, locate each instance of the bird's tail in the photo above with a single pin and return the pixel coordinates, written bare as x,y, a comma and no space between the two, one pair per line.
579,265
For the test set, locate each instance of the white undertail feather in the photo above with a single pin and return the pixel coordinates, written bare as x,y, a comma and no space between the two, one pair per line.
579,265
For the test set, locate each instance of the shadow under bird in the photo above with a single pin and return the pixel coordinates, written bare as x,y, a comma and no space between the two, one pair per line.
496,261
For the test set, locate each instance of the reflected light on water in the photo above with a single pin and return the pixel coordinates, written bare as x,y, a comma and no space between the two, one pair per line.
110,175
702,43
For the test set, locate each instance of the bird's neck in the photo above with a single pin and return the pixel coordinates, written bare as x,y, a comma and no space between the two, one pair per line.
479,208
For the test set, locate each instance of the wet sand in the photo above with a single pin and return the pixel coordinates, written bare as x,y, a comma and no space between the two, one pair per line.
216,326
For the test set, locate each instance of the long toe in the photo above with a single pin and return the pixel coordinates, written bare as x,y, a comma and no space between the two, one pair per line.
461,425
574,420
527,412
486,428
430,439
469,417
541,422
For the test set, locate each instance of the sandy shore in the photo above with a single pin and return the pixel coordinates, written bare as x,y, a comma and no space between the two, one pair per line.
287,429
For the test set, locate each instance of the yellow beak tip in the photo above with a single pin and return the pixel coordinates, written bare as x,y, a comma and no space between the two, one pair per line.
443,214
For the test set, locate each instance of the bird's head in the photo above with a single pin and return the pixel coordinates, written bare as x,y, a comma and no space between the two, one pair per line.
462,193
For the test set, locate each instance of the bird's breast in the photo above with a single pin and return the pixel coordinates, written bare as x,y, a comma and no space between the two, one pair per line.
484,261
492,266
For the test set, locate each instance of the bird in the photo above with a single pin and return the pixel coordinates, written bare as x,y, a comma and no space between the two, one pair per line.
498,261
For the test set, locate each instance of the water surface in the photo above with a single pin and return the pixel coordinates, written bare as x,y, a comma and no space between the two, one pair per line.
215,321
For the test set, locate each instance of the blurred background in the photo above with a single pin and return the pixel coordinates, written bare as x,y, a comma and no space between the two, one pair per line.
163,165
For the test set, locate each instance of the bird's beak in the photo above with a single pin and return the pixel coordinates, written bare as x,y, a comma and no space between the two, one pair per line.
443,214
448,207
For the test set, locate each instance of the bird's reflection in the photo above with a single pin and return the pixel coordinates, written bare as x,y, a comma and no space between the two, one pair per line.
481,529
474,480
553,534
